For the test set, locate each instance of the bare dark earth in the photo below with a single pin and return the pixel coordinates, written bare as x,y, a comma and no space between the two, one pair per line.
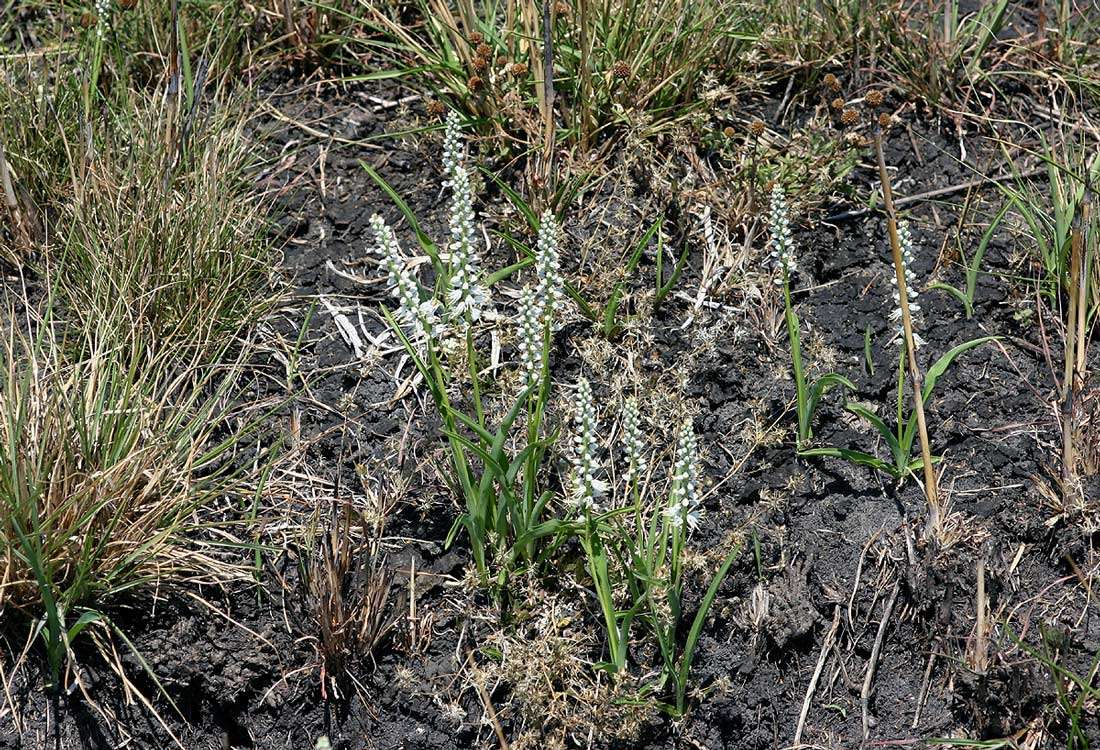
841,562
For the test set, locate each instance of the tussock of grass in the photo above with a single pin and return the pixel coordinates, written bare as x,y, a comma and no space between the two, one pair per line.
103,463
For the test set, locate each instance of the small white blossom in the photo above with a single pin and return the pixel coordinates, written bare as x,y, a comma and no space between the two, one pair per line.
530,336
466,296
453,150
683,497
550,288
780,242
419,318
586,489
632,441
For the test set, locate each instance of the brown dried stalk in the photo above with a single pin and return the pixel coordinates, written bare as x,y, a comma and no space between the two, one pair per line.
931,488
11,202
1076,338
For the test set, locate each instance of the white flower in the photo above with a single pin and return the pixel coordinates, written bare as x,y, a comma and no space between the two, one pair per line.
586,488
530,336
683,497
453,151
548,267
633,441
419,318
466,296
780,242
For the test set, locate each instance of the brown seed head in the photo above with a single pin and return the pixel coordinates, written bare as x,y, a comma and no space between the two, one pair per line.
484,50
478,64
885,120
849,117
837,104
874,98
474,83
728,131
127,4
435,108
832,82
519,70
87,20
502,61
476,38
757,127
621,69
562,8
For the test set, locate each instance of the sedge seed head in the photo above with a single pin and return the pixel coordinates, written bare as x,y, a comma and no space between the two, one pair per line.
874,98
757,127
885,120
621,69
837,104
832,82
849,117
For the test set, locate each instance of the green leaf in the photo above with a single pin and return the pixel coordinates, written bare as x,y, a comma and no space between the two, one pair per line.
856,457
425,242
941,365
514,198
956,293
877,422
822,385
697,627
611,310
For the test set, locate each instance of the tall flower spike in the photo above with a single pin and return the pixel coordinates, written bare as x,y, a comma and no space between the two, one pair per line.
780,242
530,337
103,17
548,266
633,441
905,239
419,319
452,144
466,295
586,488
683,497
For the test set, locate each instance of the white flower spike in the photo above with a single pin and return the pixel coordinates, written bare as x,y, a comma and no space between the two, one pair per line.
419,319
550,288
453,150
466,297
905,239
780,242
683,498
586,488
530,337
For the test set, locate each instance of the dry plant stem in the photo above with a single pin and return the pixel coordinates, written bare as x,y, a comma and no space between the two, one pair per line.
586,75
825,648
869,678
931,487
172,99
1076,340
548,98
485,701
10,201
981,629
